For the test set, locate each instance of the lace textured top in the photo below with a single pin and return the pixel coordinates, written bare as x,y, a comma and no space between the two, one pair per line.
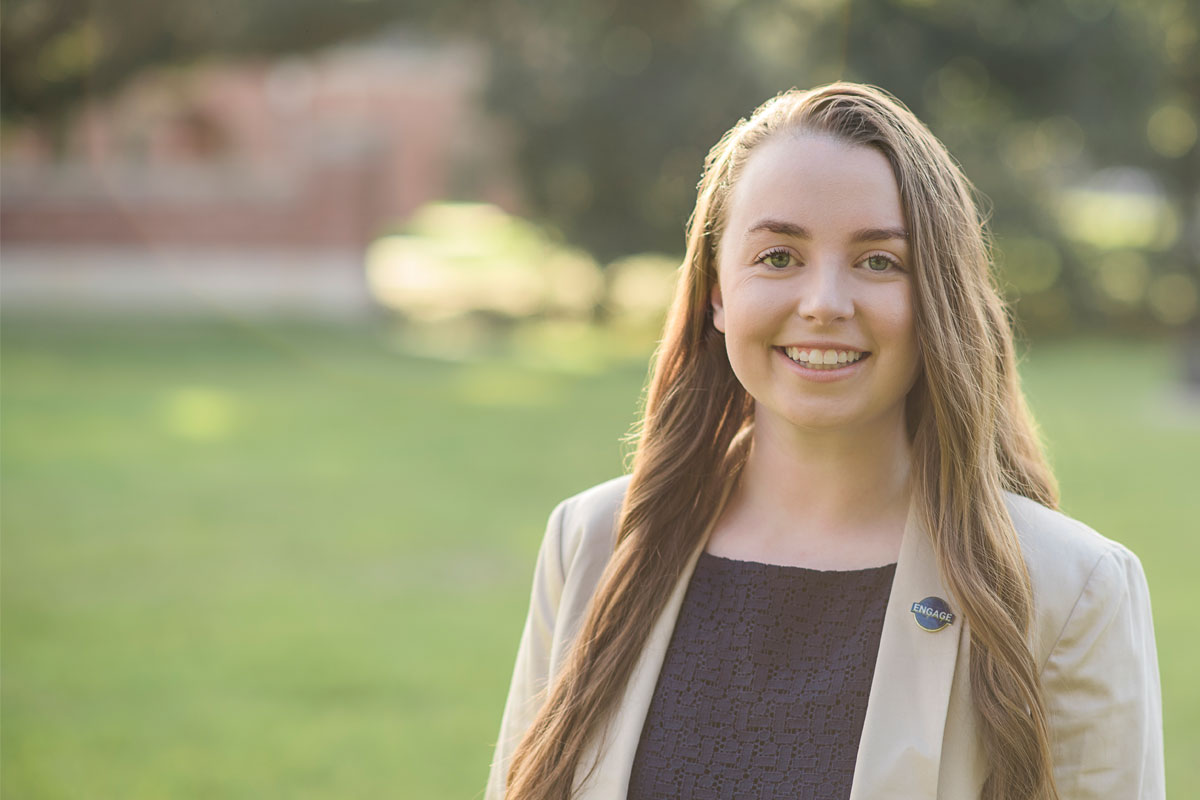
763,690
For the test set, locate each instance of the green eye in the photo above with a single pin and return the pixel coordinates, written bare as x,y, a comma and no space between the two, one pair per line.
778,259
879,263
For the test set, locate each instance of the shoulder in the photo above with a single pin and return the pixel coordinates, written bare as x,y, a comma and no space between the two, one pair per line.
1093,637
580,540
587,522
1069,564
1054,543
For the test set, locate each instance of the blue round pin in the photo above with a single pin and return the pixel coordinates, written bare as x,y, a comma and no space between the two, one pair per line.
932,613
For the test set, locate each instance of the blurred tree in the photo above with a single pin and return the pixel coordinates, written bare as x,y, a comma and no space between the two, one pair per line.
992,80
614,106
55,53
613,103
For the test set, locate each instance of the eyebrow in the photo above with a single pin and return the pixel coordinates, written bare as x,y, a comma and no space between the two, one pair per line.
799,232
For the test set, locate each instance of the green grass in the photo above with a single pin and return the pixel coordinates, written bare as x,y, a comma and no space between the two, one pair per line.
288,560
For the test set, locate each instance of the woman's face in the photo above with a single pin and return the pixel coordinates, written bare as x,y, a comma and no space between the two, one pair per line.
815,286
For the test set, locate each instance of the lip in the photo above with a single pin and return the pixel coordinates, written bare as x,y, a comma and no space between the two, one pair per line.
824,375
825,346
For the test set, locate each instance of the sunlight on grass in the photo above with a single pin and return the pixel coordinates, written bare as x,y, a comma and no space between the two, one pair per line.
335,614
198,413
579,347
498,385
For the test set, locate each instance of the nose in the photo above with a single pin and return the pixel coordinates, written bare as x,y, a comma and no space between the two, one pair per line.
827,293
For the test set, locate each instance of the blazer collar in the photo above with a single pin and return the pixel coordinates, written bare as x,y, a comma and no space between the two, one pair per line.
899,754
900,751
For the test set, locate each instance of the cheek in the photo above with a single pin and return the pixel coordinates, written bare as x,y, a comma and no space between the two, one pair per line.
749,309
893,325
902,327
896,318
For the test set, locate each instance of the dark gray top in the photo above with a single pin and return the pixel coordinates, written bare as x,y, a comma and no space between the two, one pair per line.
763,690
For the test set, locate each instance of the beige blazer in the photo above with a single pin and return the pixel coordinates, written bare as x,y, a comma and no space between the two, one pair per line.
1092,635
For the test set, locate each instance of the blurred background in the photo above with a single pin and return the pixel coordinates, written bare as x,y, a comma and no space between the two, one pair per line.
313,309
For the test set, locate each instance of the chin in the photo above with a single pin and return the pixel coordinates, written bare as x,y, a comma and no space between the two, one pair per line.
821,421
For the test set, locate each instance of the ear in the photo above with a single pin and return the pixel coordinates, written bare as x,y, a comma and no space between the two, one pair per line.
718,308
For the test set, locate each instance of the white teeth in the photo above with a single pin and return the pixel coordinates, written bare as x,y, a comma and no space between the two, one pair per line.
822,358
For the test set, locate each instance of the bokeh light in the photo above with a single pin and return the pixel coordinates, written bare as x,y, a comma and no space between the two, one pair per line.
1171,130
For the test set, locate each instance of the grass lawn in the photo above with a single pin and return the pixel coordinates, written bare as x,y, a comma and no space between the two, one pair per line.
287,560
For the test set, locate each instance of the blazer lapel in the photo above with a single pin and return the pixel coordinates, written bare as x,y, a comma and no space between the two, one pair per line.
900,751
614,750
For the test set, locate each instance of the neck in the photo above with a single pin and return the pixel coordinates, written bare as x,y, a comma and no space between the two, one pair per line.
808,482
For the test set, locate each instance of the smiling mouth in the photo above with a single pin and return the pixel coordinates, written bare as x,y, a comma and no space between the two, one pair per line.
823,359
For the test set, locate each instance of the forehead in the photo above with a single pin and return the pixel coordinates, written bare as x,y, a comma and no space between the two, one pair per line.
820,183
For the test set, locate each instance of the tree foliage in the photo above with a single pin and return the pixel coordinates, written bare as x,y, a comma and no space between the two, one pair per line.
616,103
613,104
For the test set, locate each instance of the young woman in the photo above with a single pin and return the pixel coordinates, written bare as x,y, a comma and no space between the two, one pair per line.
835,570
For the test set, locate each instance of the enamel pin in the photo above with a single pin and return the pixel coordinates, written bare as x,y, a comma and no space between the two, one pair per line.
932,614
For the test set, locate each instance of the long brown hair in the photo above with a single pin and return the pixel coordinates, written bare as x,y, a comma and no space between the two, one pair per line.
972,439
